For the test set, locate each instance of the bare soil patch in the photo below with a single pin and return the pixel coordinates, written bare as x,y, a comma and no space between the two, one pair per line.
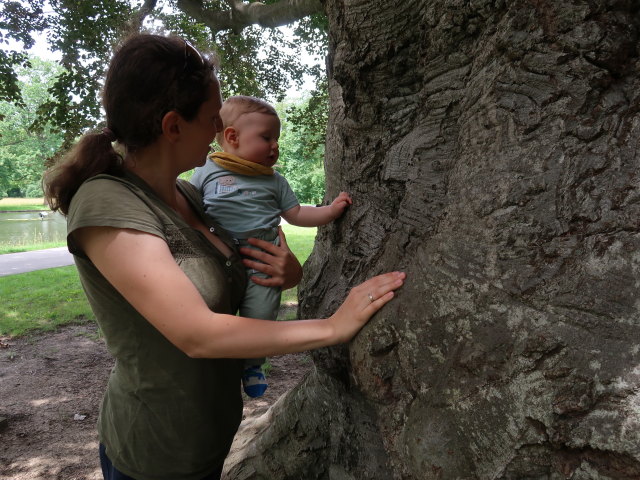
50,391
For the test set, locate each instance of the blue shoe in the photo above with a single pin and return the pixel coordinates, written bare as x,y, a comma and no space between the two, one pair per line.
254,382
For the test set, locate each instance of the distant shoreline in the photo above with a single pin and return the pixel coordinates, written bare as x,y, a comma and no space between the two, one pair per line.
24,211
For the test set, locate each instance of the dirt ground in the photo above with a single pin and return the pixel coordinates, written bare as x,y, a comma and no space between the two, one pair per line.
50,391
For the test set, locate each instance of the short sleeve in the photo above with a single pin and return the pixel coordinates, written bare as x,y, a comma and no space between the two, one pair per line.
105,202
197,179
287,198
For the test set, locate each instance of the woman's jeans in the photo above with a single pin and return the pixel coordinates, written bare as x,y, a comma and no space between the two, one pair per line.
109,472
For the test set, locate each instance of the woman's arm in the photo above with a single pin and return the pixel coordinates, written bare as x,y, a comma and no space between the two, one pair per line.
141,268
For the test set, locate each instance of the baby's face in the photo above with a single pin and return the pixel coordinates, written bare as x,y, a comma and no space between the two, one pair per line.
258,135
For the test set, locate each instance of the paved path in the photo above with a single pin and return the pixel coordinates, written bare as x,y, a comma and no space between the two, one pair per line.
11,263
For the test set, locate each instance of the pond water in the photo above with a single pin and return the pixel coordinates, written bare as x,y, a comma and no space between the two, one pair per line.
23,228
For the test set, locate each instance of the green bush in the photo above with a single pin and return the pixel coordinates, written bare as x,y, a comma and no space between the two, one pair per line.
34,190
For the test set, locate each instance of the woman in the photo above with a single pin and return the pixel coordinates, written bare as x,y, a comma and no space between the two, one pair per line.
163,280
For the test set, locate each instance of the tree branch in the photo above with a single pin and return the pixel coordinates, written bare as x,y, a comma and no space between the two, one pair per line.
243,14
135,24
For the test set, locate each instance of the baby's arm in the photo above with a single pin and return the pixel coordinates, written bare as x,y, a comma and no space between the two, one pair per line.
306,216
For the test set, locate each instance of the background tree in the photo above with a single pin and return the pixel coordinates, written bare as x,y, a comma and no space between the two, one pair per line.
302,147
23,151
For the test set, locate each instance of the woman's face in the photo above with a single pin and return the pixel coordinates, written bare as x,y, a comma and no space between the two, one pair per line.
201,131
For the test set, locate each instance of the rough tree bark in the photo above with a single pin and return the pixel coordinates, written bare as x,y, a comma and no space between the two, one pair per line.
491,148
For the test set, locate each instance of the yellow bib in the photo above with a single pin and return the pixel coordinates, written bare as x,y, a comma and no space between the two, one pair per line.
236,164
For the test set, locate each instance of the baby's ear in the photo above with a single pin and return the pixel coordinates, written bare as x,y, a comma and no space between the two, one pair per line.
230,136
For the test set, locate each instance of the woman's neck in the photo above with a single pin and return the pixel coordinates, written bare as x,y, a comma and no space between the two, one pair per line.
158,171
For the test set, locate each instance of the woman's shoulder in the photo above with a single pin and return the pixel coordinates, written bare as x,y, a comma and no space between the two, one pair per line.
109,196
104,185
108,201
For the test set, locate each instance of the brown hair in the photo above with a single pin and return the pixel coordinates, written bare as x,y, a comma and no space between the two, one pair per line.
149,76
234,107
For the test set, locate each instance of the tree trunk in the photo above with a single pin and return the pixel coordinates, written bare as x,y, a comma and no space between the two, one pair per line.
491,149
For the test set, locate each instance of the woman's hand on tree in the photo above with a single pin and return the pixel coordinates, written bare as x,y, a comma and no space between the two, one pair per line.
363,302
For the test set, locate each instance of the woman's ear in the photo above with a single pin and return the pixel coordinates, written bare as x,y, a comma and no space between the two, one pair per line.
171,125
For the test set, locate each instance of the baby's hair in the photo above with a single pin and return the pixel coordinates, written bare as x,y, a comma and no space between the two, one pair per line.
236,106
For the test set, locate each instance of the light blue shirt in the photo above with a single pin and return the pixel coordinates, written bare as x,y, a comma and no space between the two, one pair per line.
243,203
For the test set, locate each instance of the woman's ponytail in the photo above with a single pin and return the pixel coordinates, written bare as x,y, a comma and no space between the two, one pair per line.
92,155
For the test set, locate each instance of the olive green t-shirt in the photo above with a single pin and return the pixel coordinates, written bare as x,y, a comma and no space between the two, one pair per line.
164,416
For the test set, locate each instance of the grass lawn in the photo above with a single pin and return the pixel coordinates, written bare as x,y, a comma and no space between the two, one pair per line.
300,241
15,248
45,299
21,201
41,300
13,204
22,208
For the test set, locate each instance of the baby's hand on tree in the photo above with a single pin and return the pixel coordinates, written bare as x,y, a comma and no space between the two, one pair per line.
341,202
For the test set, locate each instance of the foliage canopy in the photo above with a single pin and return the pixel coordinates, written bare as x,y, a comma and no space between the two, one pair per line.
255,61
23,151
